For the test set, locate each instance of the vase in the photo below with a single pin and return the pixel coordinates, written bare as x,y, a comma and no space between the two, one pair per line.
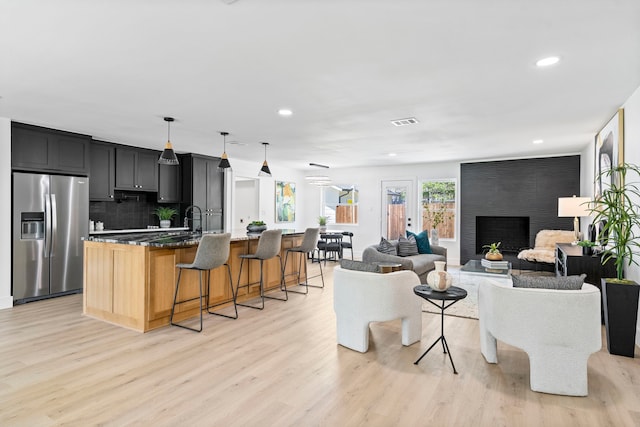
165,223
493,256
439,279
434,237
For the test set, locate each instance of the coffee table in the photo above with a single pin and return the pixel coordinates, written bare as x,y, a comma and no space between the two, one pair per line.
473,273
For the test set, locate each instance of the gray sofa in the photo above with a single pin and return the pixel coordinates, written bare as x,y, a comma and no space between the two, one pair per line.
421,264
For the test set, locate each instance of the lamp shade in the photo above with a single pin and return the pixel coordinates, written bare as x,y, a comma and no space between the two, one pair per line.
224,159
168,156
573,206
264,170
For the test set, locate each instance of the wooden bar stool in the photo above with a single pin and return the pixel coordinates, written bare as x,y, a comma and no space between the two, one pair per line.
213,252
308,245
269,245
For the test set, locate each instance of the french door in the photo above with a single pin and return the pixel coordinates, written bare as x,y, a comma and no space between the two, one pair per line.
398,207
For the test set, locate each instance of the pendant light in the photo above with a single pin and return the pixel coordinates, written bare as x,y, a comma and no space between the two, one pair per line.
224,160
264,171
168,157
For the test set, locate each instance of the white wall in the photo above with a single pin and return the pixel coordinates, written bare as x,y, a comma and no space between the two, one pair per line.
632,155
267,191
6,300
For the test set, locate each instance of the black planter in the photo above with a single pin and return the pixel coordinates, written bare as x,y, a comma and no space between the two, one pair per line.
620,303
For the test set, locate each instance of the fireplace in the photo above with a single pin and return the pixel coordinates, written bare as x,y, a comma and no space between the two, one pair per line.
511,231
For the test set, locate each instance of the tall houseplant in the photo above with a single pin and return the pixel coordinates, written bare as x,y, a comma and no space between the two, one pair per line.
616,210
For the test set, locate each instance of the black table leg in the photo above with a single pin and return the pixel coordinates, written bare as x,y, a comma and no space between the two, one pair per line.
445,346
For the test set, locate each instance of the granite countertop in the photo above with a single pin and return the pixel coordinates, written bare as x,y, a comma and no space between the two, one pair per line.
137,230
172,239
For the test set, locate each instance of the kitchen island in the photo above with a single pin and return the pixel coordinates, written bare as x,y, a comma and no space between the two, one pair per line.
129,279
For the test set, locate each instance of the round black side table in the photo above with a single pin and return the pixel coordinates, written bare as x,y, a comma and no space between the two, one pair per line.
453,294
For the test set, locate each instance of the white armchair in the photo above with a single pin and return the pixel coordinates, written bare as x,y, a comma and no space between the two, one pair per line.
361,297
558,329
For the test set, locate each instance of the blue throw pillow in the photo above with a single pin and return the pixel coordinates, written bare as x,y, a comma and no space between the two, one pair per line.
422,239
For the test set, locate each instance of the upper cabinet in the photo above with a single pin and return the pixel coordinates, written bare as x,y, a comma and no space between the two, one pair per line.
169,183
102,178
203,186
39,149
136,169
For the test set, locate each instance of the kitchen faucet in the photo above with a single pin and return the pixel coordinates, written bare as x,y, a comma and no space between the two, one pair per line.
192,209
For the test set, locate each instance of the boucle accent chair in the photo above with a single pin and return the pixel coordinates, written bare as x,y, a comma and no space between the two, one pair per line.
558,329
361,297
544,249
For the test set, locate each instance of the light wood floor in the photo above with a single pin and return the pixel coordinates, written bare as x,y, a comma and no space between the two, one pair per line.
280,366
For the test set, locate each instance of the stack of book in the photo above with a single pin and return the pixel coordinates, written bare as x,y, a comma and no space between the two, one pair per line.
495,265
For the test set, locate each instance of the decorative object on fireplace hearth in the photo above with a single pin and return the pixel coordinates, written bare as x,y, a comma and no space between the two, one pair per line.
493,252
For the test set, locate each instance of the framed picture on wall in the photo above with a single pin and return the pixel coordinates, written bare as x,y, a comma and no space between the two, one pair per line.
609,150
285,201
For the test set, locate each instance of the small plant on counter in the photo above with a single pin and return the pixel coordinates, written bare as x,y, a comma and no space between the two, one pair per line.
165,213
322,221
257,223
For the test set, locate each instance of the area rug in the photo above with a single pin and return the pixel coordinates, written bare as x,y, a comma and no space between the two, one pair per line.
467,307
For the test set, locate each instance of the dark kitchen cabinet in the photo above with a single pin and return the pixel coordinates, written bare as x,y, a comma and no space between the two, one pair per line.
136,169
39,149
203,186
102,176
169,183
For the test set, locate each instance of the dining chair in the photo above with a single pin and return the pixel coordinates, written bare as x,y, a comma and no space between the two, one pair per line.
347,245
330,245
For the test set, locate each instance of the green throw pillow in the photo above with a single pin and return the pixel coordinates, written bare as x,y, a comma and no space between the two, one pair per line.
422,240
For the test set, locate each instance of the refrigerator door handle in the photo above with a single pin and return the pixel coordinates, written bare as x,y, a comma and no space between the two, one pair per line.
54,223
47,226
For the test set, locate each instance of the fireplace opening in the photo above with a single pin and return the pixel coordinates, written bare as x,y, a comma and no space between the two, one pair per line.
511,231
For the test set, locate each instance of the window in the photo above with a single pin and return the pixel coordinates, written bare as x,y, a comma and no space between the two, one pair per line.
438,201
340,204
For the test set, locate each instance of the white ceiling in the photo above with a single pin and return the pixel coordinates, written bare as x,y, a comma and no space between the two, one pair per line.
464,68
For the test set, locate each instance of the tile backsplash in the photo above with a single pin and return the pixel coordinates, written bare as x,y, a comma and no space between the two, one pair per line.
129,210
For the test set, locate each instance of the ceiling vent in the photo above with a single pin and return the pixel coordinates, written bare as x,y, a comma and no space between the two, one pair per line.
405,122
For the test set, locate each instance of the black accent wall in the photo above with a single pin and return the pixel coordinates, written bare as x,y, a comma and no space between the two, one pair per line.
515,188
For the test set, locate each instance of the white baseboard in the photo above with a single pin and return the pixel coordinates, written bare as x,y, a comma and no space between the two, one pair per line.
6,302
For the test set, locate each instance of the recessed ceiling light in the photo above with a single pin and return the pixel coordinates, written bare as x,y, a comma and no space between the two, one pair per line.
392,154
285,112
538,141
545,62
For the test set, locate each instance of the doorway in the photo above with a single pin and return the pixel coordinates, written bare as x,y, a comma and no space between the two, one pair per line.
246,199
398,208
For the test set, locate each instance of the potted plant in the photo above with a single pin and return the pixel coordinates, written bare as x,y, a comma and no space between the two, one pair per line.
493,251
621,219
587,246
165,214
322,222
256,227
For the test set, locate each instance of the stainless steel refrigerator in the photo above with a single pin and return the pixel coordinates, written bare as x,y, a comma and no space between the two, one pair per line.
50,219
